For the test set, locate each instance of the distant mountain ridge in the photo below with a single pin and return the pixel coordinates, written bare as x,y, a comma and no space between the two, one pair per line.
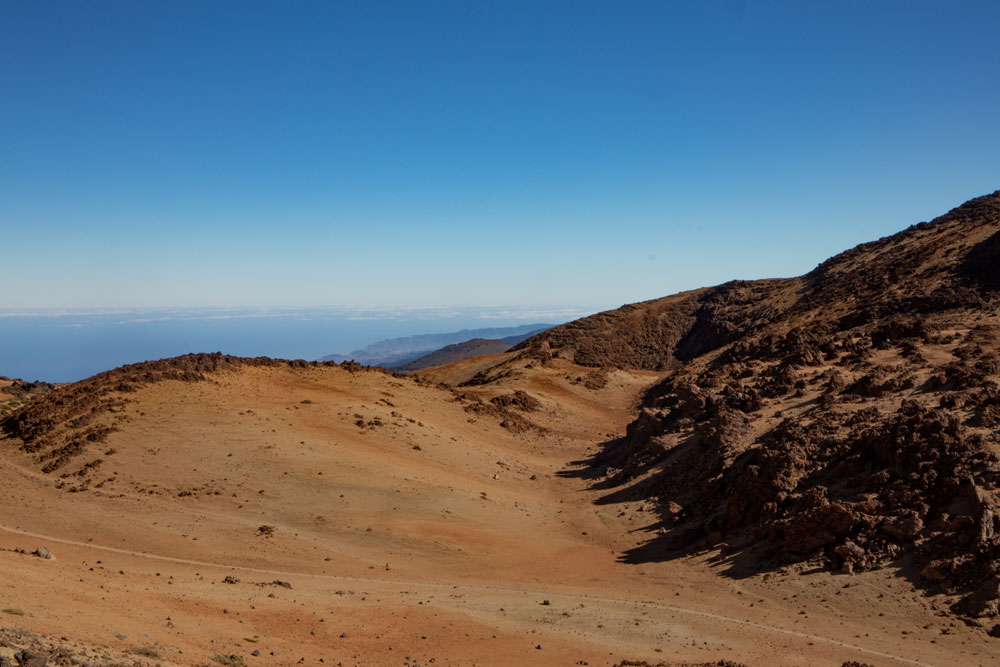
457,352
399,351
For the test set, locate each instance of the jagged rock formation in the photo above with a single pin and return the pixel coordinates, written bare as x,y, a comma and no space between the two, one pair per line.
14,393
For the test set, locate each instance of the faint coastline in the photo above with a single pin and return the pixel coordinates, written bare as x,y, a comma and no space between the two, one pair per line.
65,345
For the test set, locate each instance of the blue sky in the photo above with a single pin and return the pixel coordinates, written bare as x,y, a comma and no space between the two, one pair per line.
463,153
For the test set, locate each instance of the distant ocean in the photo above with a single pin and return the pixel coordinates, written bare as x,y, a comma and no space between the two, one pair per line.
69,345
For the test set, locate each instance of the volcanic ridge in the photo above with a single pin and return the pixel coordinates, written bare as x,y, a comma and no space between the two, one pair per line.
850,416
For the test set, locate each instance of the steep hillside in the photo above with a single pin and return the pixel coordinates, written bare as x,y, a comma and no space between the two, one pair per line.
942,265
663,333
849,418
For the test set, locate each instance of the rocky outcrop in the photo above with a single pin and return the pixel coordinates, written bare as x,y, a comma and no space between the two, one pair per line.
849,417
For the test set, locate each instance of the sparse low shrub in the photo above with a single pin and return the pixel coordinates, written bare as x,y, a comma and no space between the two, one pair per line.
145,651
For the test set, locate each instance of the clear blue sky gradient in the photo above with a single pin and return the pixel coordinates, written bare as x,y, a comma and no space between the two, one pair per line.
374,153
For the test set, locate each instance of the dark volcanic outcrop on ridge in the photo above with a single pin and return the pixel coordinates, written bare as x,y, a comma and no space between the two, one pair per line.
850,416
663,333
929,267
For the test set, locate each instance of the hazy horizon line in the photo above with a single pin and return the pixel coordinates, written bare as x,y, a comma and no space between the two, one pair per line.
492,311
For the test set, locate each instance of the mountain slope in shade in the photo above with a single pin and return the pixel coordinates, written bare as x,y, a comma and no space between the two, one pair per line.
452,353
465,350
396,351
663,333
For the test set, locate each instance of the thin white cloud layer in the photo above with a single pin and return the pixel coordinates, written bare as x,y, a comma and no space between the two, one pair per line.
332,313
